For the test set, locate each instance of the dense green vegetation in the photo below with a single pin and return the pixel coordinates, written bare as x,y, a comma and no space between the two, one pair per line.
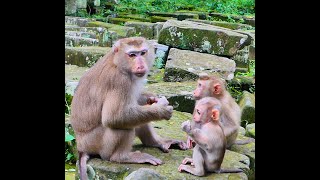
237,7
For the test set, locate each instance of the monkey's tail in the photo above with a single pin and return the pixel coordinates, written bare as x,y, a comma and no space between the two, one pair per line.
83,157
229,171
244,141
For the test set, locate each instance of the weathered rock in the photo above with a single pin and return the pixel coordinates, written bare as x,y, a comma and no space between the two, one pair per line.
201,37
179,95
247,105
201,15
242,130
70,7
250,130
224,24
144,29
179,15
122,31
138,17
224,17
155,19
74,41
156,29
82,4
172,160
119,21
84,56
106,38
241,57
73,74
79,21
81,34
161,54
183,65
252,52
249,151
144,174
242,83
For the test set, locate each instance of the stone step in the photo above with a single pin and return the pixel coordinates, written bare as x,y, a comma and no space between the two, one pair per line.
184,65
247,105
79,21
201,37
74,41
81,34
138,17
121,31
224,17
120,21
145,29
106,38
179,15
84,56
224,24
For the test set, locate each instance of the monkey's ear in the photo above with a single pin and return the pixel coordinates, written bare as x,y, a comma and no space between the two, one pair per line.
215,114
115,47
217,88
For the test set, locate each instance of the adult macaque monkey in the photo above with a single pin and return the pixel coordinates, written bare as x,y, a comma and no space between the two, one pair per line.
108,108
207,132
213,86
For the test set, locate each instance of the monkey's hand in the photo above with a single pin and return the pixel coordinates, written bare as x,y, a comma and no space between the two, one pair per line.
163,101
166,144
190,143
186,126
167,114
152,100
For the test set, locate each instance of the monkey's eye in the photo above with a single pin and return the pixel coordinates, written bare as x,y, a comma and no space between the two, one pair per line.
198,111
199,85
143,53
132,55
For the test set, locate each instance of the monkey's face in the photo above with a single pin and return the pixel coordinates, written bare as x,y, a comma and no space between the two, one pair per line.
138,61
200,91
133,55
199,114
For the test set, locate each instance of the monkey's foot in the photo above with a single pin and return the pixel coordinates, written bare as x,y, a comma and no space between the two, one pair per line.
137,157
192,170
187,160
165,145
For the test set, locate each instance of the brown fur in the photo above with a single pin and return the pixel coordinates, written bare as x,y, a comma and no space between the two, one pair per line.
109,104
207,132
213,86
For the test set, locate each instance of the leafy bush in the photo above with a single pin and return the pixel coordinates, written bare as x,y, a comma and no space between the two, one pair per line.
69,147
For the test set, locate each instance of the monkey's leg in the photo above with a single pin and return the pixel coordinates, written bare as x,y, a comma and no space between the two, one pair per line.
149,137
198,161
117,147
135,157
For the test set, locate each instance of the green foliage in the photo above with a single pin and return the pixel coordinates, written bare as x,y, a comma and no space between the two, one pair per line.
250,73
68,99
69,147
235,92
237,7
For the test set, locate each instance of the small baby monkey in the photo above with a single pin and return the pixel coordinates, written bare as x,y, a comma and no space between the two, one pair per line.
206,131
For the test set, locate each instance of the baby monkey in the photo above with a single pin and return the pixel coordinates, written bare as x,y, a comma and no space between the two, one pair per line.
206,131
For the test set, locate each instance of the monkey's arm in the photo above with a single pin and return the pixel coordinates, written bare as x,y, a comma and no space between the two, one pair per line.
200,138
124,115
